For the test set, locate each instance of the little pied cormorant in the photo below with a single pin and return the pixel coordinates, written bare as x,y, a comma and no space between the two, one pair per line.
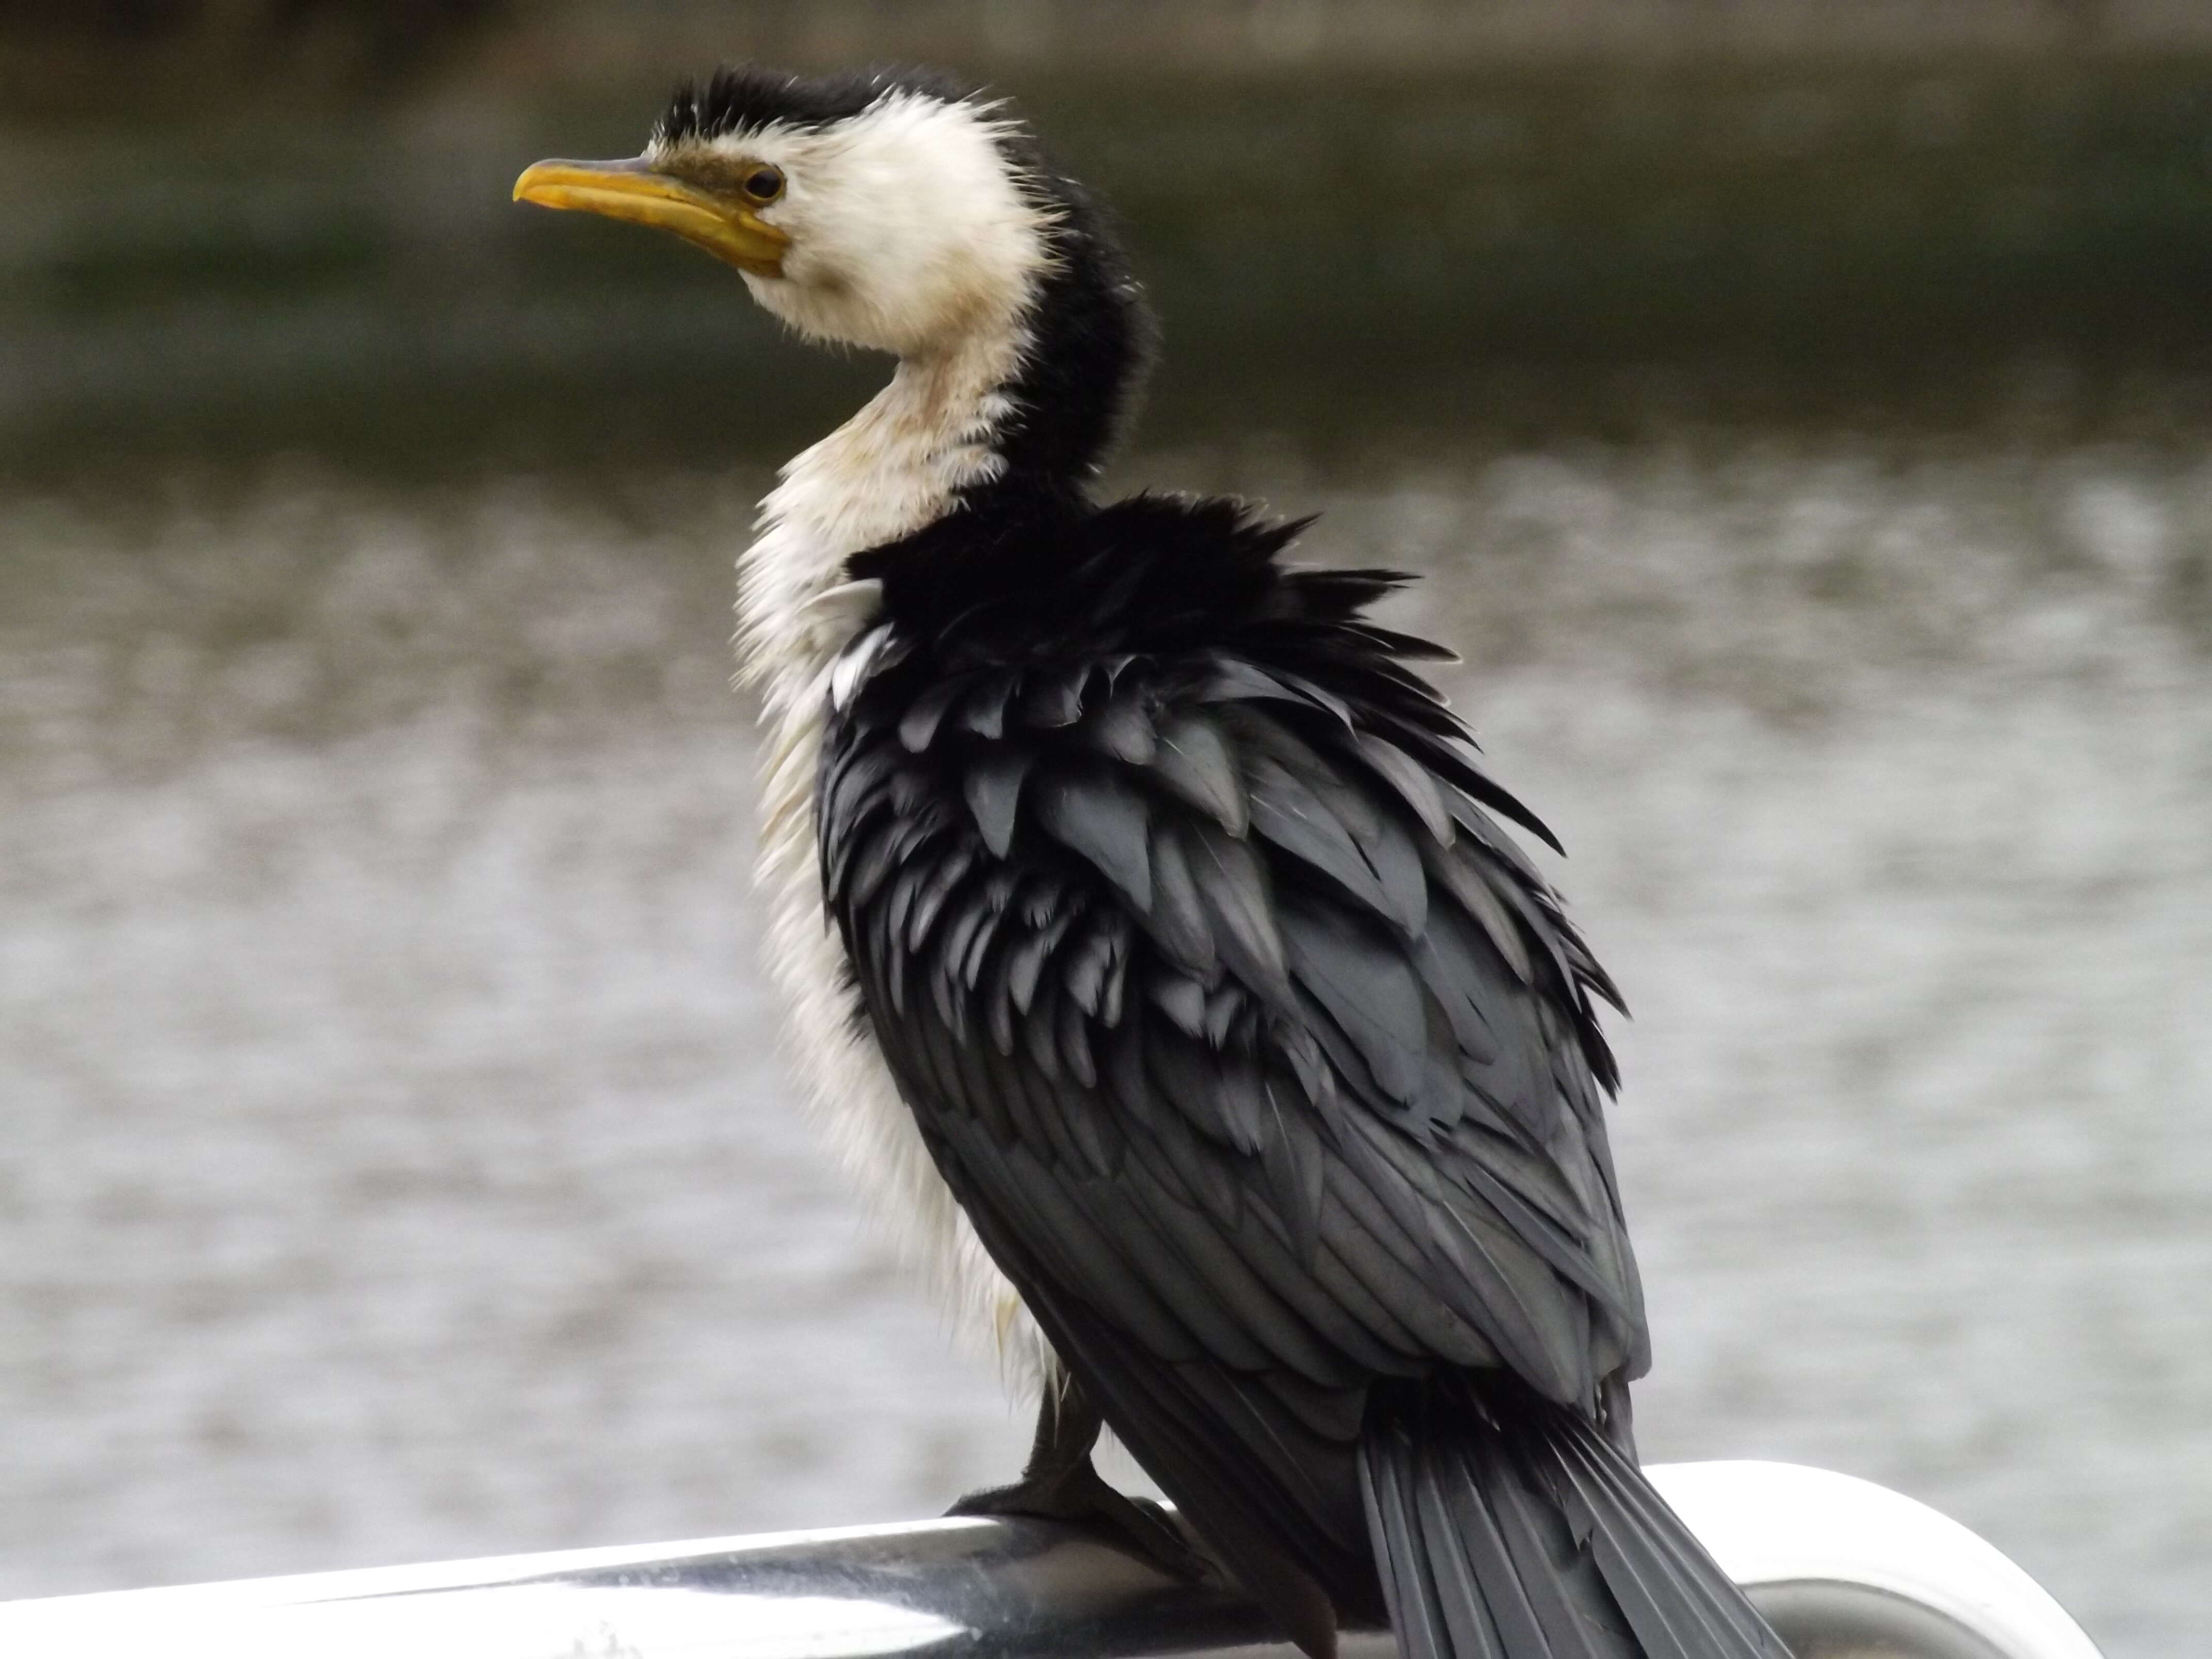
1150,936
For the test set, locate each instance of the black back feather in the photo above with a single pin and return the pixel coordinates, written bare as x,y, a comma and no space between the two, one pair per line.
1263,1063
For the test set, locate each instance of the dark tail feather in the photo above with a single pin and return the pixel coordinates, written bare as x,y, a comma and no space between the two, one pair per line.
1511,1529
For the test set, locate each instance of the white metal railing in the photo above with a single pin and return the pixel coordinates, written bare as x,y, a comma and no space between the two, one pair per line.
1844,1568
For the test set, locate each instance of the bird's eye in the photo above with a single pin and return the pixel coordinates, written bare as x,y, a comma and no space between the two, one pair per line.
764,184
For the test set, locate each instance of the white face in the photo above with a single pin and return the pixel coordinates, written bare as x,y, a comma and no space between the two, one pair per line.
908,228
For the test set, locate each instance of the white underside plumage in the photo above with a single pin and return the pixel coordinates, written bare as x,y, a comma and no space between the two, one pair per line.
894,468
909,234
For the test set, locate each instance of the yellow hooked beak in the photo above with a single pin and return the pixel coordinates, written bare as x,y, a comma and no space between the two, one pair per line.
634,191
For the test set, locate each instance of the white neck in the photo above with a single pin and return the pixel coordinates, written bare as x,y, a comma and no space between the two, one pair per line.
895,467
891,470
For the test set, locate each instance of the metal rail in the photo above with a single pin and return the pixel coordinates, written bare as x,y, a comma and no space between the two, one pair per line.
1847,1570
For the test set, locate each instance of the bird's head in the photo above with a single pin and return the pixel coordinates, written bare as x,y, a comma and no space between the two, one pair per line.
882,209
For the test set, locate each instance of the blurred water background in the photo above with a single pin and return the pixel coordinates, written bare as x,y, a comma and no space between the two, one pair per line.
1802,417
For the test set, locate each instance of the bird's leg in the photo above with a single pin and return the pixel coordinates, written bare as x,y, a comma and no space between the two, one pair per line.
1059,1484
1615,1420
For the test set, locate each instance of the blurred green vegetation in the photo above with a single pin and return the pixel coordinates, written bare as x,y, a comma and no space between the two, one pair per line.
61,59
1590,242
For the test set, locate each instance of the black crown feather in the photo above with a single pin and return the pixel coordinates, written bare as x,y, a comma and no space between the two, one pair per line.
747,97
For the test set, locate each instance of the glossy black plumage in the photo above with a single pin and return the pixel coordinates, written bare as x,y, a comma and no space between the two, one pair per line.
1265,1065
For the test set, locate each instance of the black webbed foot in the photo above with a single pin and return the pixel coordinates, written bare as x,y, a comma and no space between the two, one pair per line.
1081,1497
1059,1484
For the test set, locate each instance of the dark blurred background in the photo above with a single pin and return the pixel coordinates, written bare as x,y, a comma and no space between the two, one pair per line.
1799,410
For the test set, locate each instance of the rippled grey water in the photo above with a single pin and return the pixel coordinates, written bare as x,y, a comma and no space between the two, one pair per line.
398,1165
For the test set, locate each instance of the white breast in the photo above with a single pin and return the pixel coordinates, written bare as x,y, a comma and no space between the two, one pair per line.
892,469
